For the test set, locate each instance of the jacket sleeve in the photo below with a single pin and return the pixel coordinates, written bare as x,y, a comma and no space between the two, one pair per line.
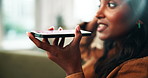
134,69
76,75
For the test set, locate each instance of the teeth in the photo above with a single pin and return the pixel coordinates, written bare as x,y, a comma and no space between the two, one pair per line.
101,25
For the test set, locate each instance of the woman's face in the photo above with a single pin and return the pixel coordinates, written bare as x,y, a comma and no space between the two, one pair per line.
114,19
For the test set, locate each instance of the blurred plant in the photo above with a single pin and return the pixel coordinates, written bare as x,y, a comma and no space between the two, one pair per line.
60,21
14,26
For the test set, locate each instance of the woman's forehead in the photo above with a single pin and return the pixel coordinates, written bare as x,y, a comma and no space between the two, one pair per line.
112,0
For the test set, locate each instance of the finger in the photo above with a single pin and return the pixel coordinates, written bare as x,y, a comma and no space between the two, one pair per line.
62,42
55,42
60,28
40,44
45,40
77,37
35,41
51,28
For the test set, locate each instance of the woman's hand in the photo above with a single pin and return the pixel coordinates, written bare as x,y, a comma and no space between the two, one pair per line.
67,57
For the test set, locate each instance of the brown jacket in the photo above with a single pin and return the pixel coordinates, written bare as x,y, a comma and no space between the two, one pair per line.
135,68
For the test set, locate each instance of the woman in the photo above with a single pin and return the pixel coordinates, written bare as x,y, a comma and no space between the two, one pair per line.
123,25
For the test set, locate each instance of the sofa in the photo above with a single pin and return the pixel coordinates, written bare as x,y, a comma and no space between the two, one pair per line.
28,64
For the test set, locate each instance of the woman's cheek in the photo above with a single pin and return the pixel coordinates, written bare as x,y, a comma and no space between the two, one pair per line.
117,25
119,17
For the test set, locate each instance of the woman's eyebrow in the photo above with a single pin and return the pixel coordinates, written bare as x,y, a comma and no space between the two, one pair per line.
105,0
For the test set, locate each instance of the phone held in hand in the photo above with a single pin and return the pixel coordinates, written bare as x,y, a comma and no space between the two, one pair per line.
57,33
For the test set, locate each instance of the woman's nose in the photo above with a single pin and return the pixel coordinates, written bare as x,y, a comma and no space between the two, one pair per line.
100,13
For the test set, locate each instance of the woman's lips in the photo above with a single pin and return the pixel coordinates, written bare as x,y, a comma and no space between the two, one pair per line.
101,27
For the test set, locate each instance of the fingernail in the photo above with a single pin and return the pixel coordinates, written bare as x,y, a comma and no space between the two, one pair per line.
28,34
51,28
78,27
60,28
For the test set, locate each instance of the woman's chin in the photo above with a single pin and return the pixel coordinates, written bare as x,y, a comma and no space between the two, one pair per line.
102,37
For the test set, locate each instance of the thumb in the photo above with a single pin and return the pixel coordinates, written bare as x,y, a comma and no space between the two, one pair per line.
78,36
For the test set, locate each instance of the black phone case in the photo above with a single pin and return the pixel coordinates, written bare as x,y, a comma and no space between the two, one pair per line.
37,34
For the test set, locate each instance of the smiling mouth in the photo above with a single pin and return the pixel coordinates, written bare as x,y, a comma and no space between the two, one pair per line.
102,27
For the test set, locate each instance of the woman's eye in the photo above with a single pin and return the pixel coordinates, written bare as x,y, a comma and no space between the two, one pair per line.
112,5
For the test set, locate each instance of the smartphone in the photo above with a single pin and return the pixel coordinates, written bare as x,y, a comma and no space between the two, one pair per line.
57,33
